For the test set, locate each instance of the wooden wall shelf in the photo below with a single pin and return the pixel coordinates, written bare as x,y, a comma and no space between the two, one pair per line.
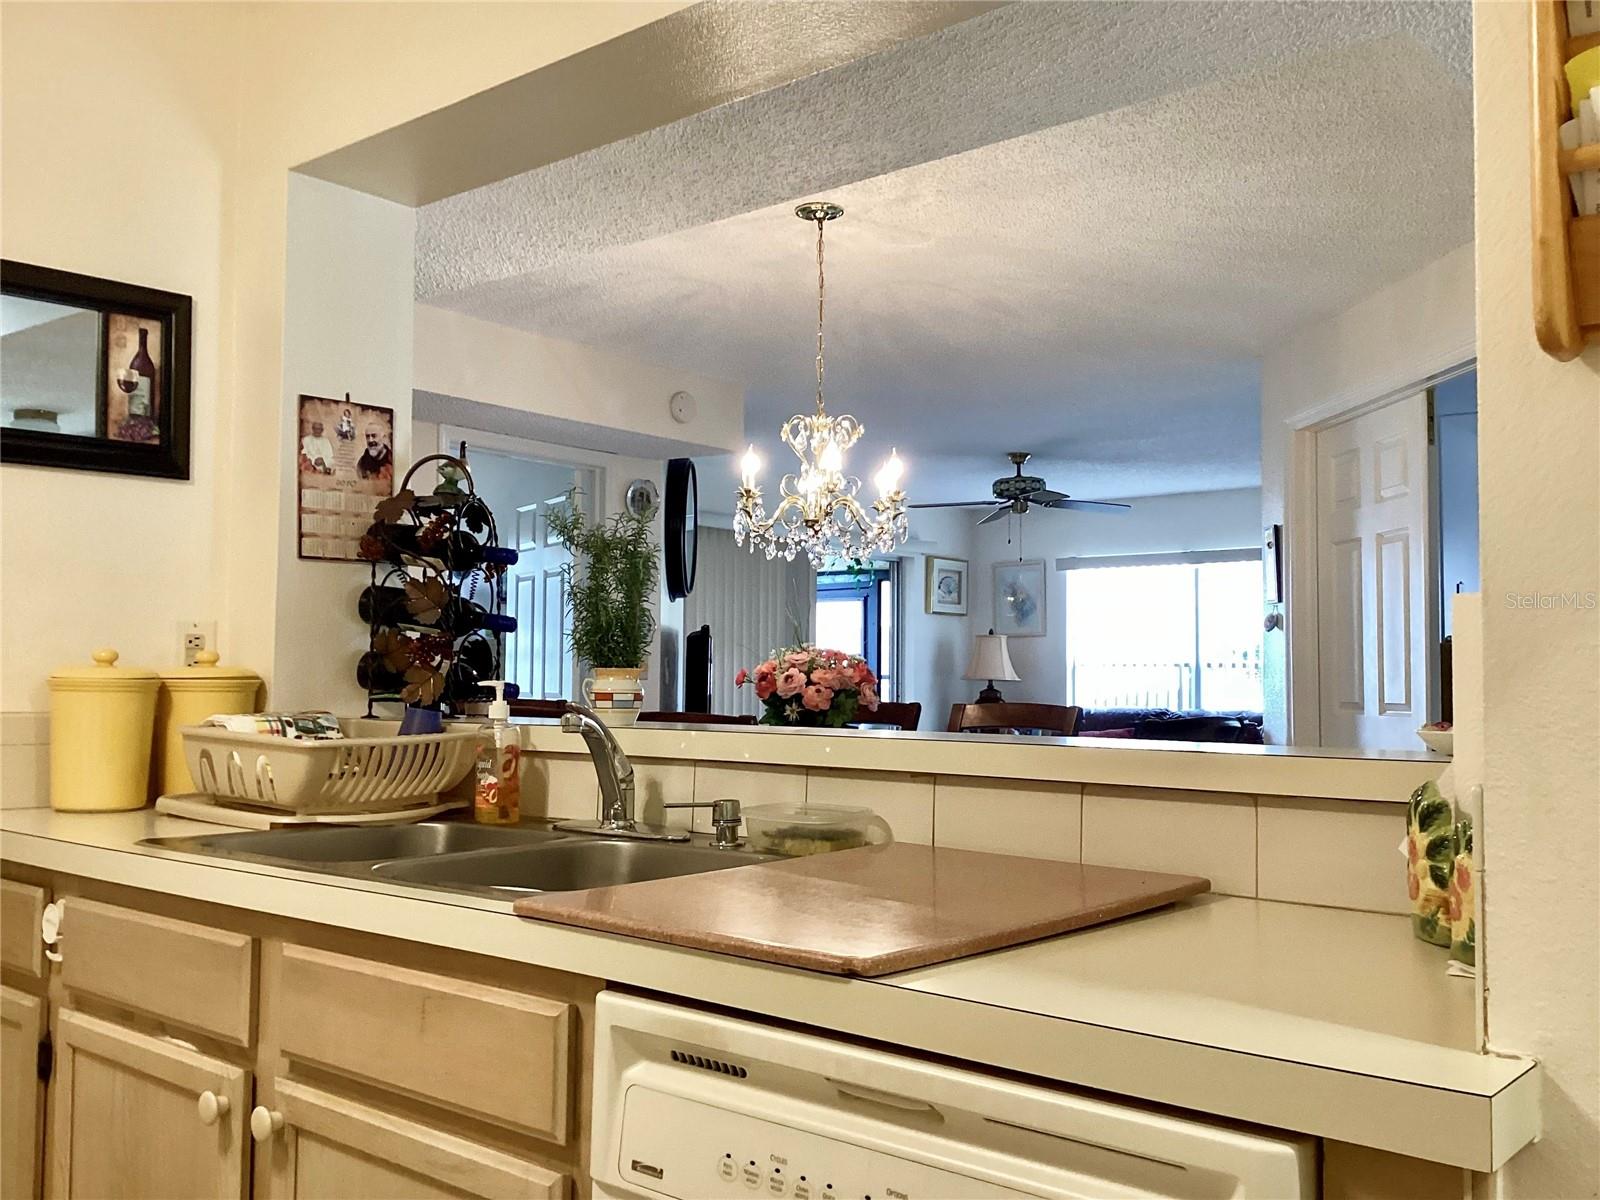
1566,247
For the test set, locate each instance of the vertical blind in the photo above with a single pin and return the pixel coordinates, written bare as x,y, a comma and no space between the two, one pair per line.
753,606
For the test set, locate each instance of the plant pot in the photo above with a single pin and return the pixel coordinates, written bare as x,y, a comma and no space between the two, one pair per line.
615,693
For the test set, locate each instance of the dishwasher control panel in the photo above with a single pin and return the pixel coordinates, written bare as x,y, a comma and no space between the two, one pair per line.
679,1147
696,1105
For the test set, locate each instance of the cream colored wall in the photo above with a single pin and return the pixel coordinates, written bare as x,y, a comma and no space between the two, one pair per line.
546,377
1539,447
1393,338
316,77
176,176
118,173
347,331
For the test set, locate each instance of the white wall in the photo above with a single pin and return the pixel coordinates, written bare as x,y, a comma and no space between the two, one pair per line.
577,392
1396,337
935,648
347,328
1227,520
1539,446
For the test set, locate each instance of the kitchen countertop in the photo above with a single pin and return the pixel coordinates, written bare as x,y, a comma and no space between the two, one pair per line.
1323,1021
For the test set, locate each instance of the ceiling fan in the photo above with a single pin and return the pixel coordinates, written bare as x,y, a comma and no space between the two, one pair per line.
1018,493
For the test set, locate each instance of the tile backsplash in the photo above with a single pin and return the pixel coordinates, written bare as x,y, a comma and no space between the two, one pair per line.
1330,852
24,760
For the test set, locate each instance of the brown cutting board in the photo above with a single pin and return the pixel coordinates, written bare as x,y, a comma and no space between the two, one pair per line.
870,911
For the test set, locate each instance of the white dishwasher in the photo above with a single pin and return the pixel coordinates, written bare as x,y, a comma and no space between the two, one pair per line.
694,1105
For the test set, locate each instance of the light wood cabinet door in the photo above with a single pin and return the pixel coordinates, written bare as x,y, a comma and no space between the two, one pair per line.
21,907
22,1025
143,1118
328,1147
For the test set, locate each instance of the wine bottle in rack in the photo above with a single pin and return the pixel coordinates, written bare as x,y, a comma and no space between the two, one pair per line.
460,552
466,681
376,677
381,605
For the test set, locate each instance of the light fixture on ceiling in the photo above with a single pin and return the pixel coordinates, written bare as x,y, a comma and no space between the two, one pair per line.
818,512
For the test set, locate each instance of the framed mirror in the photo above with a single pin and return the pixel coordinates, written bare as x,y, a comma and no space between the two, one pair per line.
95,374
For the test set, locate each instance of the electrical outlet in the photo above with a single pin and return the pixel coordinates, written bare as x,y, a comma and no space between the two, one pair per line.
193,637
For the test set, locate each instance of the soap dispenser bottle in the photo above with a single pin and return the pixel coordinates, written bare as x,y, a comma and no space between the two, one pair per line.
497,793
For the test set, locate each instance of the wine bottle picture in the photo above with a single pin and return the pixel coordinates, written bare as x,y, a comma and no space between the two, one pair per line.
140,376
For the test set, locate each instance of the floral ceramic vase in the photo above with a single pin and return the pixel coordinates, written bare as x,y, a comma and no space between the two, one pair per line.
1463,899
1430,861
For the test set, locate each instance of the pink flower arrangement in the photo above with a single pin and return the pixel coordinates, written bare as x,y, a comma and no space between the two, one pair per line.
804,685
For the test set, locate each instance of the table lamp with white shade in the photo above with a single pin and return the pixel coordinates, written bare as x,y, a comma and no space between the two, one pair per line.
991,661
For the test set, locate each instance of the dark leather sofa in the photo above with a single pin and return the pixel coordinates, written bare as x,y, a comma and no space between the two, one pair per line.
1168,725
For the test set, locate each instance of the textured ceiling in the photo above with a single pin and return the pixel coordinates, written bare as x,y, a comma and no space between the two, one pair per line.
1089,267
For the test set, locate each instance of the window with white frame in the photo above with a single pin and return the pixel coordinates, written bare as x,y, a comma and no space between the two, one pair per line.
1178,631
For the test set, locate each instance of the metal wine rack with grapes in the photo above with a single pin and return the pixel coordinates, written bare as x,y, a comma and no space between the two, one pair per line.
435,607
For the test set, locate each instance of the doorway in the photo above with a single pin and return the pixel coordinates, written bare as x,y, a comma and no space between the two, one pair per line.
1374,590
523,492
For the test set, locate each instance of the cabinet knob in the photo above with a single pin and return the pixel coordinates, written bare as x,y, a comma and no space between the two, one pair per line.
264,1123
212,1107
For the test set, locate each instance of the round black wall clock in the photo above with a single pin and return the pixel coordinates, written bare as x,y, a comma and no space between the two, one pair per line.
681,535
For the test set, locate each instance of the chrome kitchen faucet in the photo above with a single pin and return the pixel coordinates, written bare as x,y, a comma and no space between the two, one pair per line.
616,782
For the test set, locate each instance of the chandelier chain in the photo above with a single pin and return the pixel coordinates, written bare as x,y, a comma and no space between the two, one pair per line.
821,285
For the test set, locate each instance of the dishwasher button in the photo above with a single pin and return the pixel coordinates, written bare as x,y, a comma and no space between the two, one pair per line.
777,1185
802,1189
752,1176
726,1169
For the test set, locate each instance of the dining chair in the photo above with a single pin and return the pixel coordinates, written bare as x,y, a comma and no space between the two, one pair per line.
901,716
1059,720
697,718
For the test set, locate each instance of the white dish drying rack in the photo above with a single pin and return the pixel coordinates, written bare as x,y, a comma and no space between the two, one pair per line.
371,774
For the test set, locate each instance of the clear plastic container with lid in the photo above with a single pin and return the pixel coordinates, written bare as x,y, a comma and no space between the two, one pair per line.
102,719
800,829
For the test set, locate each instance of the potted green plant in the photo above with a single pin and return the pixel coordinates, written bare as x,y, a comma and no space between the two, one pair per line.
608,589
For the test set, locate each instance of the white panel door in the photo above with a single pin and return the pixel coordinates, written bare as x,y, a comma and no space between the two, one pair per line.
538,657
1373,610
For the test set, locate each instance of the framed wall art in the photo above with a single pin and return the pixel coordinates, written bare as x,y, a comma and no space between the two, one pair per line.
1019,598
946,587
345,454
96,373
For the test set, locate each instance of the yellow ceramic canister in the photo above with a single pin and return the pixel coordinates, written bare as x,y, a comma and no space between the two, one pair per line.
101,721
188,696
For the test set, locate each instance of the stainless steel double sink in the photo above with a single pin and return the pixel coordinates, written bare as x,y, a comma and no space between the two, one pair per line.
456,856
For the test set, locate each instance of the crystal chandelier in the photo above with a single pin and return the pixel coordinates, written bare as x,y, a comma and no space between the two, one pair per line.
818,512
